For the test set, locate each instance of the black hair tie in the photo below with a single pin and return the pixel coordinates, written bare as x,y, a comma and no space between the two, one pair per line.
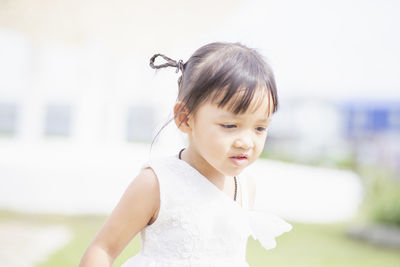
179,65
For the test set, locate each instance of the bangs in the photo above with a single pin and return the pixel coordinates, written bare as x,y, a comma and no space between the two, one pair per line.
239,89
239,101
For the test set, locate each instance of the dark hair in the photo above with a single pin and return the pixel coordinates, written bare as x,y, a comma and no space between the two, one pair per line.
228,74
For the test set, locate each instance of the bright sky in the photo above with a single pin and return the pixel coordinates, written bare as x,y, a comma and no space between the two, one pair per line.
334,49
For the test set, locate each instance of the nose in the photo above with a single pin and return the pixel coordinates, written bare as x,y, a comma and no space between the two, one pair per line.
244,142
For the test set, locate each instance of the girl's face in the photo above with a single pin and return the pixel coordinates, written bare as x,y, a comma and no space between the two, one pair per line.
222,143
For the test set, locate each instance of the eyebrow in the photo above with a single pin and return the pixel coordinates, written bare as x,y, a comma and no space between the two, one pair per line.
263,120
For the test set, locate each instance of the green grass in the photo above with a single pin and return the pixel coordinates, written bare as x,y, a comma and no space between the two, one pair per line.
320,245
306,245
83,229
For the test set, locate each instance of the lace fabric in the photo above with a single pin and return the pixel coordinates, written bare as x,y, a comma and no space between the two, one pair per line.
198,224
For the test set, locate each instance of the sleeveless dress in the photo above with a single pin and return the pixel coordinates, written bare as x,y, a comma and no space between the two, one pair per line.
198,225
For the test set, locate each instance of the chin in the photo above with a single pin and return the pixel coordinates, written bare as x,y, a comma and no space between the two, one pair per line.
234,172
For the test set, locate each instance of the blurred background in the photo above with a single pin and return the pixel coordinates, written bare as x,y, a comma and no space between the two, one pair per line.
80,106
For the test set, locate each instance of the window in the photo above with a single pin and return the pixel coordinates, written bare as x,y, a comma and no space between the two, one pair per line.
8,118
58,120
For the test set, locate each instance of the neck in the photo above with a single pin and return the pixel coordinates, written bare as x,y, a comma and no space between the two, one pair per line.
193,158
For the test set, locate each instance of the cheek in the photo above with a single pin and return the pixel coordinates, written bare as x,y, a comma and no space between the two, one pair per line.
260,142
217,140
205,134
212,138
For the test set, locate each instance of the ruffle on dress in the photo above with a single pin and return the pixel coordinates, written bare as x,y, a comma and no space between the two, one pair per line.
266,226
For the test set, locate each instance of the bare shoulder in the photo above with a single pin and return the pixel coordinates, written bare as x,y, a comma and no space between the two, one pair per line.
251,182
146,180
144,188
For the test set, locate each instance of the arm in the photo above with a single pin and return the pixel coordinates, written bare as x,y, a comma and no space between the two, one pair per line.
135,209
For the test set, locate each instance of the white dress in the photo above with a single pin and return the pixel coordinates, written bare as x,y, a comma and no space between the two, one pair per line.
199,225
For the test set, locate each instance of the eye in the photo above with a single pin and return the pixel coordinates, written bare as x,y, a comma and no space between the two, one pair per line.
228,126
261,129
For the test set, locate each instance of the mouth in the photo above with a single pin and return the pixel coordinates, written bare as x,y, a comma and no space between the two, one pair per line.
239,160
240,157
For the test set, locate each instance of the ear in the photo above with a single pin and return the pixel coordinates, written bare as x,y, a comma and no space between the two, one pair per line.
181,117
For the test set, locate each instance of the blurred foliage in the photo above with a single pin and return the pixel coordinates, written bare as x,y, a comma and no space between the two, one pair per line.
343,161
382,195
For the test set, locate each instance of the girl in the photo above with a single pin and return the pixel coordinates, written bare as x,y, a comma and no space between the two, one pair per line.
192,209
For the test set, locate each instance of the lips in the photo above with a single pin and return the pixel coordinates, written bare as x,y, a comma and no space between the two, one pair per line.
239,160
